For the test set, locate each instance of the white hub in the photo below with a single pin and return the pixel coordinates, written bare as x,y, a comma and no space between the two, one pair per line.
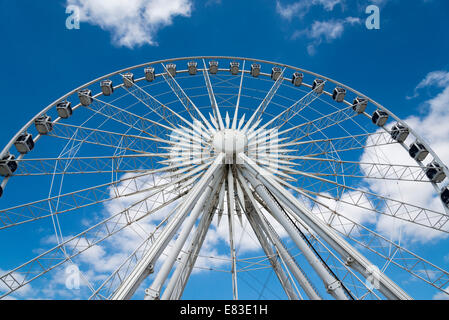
229,142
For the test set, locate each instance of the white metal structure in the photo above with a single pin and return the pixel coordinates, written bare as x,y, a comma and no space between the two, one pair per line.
202,142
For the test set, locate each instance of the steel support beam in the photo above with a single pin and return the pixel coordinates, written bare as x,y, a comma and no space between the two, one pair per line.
283,253
178,280
271,254
273,237
153,293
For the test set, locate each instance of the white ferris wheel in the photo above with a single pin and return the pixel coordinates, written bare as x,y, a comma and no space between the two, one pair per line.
164,159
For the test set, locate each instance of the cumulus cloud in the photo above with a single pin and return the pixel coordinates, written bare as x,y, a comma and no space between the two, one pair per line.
133,22
438,79
301,8
319,31
326,31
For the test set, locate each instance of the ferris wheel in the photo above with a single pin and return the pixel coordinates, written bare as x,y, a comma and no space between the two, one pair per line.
235,167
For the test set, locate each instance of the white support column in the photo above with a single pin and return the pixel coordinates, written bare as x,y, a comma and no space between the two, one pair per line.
145,265
286,257
271,255
333,286
153,292
353,258
272,236
231,208
178,280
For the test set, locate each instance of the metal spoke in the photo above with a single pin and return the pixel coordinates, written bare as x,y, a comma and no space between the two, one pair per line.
188,104
126,142
213,101
257,115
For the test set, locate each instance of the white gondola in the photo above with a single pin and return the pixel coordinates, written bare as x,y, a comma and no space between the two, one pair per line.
318,86
417,151
43,124
359,105
444,195
213,67
149,74
85,97
8,165
399,132
297,79
171,69
192,66
64,109
276,73
128,80
379,118
24,143
106,87
339,94
234,67
255,70
435,172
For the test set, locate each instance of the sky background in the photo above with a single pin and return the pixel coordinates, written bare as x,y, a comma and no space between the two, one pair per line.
404,65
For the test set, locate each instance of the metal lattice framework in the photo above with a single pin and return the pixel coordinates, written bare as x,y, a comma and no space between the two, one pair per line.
159,154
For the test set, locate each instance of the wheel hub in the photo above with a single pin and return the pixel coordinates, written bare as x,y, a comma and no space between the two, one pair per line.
229,142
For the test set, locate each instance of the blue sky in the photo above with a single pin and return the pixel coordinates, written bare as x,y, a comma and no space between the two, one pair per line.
404,65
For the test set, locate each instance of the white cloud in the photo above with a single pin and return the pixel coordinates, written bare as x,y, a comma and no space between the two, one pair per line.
327,31
441,295
132,22
301,8
438,79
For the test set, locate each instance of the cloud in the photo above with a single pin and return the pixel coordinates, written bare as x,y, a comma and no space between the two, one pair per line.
301,8
327,31
212,3
441,295
133,22
439,79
